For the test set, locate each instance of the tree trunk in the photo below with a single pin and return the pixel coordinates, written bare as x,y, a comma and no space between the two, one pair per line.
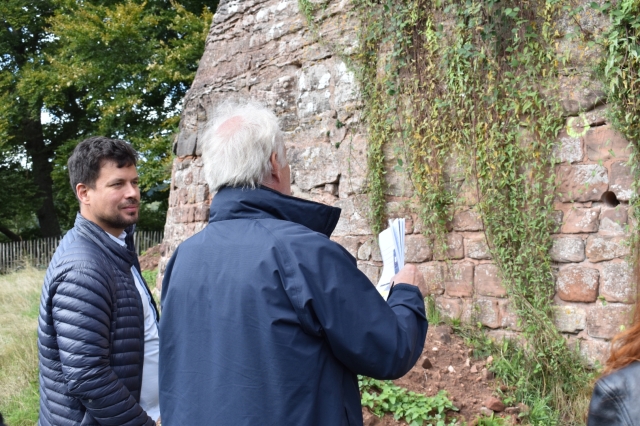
6,231
42,167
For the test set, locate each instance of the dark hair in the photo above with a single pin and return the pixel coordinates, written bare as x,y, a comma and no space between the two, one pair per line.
90,155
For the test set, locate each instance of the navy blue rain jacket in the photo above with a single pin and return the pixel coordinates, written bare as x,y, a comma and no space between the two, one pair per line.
266,321
91,333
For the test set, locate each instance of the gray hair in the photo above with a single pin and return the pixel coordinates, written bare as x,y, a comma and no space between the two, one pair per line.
238,154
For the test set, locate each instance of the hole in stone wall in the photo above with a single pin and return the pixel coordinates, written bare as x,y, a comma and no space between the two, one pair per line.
609,199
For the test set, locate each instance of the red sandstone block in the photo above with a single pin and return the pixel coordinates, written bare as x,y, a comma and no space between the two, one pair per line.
488,281
202,193
176,214
508,317
621,180
350,243
595,351
187,179
183,195
567,249
173,199
605,321
569,319
450,308
577,284
371,271
604,247
454,308
488,312
613,220
477,248
459,280
581,220
568,149
617,283
191,194
202,213
454,248
467,220
604,143
433,277
417,249
191,213
364,252
582,183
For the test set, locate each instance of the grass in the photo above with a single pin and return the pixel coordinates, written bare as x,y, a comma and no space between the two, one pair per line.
433,314
524,382
150,278
19,301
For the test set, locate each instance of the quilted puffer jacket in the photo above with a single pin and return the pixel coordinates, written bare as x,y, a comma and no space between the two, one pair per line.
615,398
91,333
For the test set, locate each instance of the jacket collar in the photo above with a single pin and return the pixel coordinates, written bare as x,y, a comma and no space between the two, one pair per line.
100,237
264,203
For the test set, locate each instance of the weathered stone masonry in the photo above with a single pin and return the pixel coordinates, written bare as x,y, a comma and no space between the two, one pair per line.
264,50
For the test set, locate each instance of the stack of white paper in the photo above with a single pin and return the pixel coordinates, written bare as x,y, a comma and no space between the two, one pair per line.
391,242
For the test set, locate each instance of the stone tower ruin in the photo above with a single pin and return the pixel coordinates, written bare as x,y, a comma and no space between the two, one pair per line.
264,50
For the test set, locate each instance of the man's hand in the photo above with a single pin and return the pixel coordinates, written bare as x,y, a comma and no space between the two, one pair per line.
411,275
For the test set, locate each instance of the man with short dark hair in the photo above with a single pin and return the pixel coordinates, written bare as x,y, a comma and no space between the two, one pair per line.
266,321
97,330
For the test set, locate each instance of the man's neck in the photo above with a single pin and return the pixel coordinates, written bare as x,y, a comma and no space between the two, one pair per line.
109,230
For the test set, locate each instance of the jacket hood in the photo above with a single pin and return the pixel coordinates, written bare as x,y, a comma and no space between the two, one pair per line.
99,236
264,203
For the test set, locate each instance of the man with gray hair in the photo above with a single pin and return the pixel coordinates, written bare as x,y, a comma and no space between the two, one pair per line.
265,320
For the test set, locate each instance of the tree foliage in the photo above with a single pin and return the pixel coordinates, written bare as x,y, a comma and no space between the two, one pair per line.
70,69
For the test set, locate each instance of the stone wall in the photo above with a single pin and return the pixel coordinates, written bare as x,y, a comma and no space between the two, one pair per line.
264,50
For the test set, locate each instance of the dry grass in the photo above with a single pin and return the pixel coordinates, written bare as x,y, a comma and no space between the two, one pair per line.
19,301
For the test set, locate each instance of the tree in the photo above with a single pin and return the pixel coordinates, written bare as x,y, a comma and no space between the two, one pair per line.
71,69
23,38
17,197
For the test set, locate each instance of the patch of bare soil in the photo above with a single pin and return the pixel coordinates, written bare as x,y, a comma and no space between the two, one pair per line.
149,260
447,364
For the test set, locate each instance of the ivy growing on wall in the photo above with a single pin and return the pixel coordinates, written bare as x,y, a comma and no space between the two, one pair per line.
467,90
620,72
463,93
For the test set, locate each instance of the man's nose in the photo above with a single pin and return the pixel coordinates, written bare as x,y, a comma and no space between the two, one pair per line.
132,191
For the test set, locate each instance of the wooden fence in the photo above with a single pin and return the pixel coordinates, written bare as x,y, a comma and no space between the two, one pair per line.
39,252
144,240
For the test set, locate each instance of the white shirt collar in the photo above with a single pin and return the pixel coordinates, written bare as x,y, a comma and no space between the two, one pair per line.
119,239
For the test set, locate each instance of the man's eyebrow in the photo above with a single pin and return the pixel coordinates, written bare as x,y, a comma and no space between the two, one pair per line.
118,180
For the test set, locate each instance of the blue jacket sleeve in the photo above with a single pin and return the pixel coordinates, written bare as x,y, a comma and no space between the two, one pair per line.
335,300
81,309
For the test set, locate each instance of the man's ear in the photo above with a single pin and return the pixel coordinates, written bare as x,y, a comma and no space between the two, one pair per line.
82,192
275,167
